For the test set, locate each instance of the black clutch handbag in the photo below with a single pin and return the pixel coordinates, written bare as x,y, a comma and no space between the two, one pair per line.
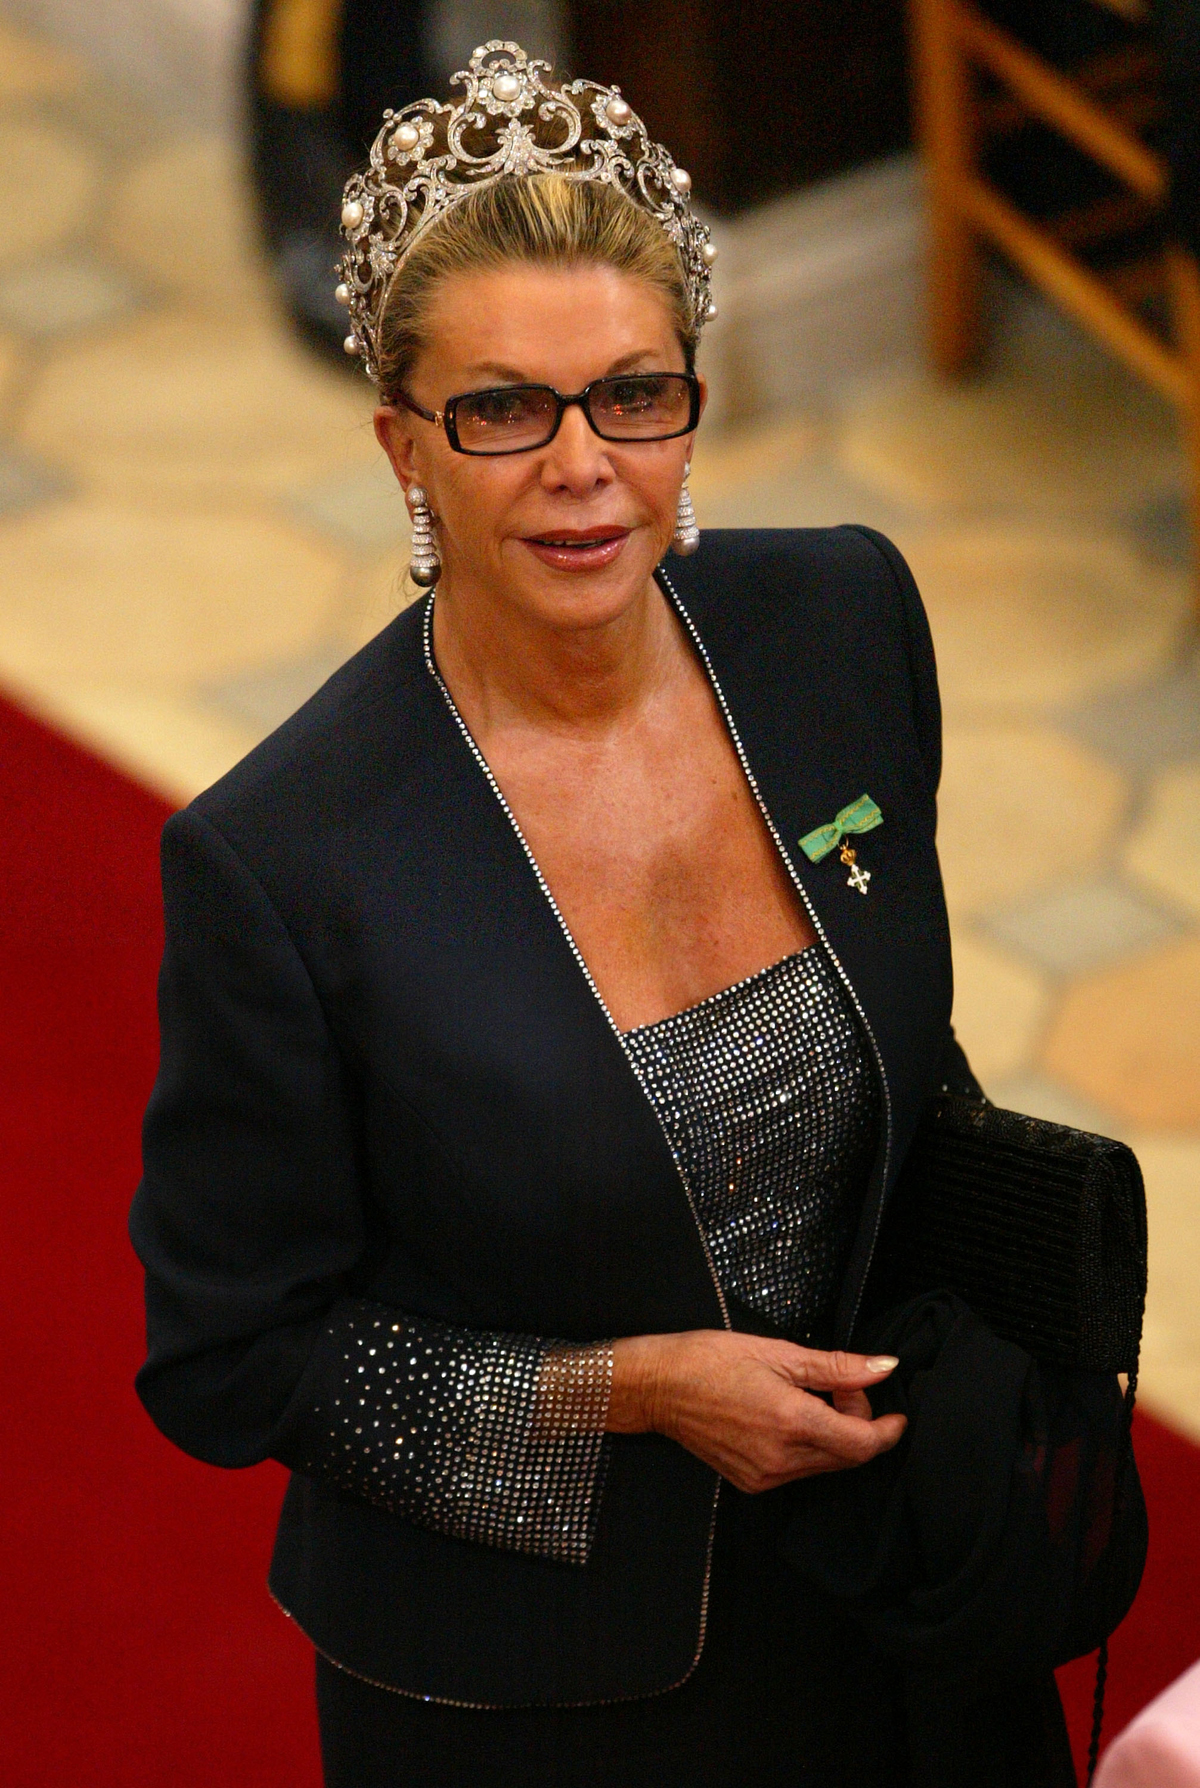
1041,1229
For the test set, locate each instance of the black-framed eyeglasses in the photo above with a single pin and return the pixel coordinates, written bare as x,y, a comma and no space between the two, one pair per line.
518,418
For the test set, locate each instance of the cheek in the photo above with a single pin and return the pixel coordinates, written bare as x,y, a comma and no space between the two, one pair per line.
478,500
655,479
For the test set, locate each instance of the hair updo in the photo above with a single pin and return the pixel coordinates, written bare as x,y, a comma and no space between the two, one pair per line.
539,220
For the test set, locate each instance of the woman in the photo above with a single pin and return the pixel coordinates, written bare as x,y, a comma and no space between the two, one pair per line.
529,1099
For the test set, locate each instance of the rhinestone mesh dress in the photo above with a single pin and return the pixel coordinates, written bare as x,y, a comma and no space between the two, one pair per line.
767,1099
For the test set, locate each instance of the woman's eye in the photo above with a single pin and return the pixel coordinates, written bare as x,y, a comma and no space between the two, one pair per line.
497,407
635,394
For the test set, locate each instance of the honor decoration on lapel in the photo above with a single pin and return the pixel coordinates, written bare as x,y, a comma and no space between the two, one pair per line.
861,816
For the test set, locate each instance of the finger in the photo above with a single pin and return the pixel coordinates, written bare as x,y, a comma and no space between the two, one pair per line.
888,1430
814,1371
812,1460
853,1403
849,1439
808,1459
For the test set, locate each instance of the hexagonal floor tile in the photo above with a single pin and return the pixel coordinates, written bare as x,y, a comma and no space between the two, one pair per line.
1141,728
1164,852
812,494
60,296
12,354
733,458
1023,617
265,698
1021,808
365,509
376,597
778,473
30,68
113,121
26,482
1089,442
1170,1370
1000,1007
1129,1039
93,593
1083,926
205,251
47,182
190,407
1162,530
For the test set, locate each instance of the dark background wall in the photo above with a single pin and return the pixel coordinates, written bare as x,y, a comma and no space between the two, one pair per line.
755,98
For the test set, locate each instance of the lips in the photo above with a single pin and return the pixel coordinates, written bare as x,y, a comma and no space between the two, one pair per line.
577,549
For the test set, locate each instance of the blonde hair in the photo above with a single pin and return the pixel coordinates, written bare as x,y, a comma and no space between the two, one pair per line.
544,220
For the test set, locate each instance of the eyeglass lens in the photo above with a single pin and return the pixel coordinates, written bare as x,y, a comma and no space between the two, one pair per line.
640,407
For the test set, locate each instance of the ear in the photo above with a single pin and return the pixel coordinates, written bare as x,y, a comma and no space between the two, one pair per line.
395,436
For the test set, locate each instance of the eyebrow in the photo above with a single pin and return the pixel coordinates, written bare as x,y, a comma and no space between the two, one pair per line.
513,376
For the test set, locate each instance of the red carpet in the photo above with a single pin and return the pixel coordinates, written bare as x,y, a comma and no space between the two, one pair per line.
142,1649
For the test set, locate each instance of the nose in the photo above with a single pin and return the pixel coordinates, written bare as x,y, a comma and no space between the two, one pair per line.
576,461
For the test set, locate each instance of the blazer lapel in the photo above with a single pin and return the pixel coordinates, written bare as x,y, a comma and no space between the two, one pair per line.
818,708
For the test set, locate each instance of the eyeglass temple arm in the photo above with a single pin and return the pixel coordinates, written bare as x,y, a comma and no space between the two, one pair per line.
402,397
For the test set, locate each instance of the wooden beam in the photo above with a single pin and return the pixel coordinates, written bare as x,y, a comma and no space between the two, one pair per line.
299,57
945,114
1077,289
1184,273
1053,98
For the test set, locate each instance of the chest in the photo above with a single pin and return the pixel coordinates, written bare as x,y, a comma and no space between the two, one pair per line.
658,856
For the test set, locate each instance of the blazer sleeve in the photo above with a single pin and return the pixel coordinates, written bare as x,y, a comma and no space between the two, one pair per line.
927,702
955,1074
249,1222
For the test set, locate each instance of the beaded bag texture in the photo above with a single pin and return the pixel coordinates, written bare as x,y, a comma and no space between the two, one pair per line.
1041,1229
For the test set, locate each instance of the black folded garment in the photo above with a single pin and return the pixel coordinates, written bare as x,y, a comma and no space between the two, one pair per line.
1005,1534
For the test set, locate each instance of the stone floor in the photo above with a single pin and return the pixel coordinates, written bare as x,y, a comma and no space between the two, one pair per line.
196,528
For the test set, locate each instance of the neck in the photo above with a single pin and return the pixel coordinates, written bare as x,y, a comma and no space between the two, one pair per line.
506,668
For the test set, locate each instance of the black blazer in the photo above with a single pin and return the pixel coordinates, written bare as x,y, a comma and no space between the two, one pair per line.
386,1074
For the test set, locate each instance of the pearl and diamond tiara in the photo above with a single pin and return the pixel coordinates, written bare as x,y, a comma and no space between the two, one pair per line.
513,121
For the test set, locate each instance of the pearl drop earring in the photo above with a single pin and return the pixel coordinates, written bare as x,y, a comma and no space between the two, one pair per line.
425,565
687,532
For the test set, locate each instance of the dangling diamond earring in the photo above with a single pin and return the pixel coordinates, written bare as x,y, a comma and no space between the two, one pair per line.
425,566
687,533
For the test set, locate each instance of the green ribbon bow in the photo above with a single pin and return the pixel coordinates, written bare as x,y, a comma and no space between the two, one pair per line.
861,816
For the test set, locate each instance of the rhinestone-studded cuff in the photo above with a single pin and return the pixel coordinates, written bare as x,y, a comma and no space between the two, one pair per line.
486,1436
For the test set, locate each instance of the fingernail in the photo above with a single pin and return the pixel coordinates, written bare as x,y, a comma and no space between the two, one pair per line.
882,1362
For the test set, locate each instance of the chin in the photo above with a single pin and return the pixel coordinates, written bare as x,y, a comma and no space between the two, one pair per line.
568,599
586,599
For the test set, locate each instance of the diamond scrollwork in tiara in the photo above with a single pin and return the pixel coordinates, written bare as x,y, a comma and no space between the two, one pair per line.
513,121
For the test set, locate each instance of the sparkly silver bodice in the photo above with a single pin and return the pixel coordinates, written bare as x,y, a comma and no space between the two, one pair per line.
767,1099
766,1095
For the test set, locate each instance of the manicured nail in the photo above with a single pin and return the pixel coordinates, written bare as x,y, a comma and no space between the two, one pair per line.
882,1362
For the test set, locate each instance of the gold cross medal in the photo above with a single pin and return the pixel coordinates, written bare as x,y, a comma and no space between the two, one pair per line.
862,815
857,878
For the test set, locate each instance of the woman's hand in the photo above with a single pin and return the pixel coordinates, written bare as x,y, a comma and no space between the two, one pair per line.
743,1404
